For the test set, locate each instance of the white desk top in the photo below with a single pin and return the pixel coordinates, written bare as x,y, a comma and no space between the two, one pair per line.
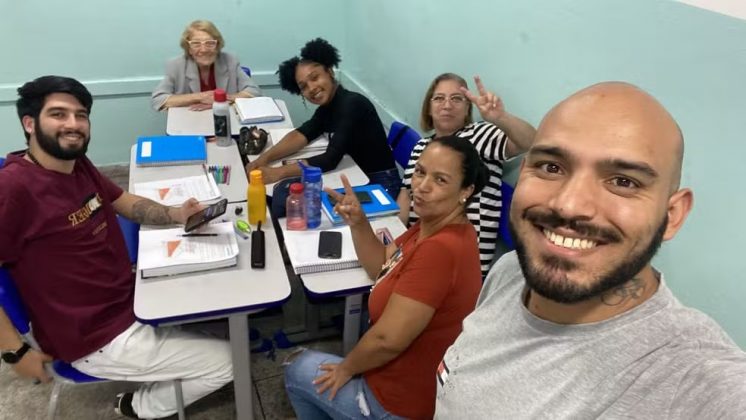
332,178
182,121
215,293
342,282
216,155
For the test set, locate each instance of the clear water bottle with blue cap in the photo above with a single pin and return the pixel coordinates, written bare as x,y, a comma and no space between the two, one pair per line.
312,186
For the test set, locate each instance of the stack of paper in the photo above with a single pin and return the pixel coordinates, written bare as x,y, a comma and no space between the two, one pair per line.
174,192
165,252
257,110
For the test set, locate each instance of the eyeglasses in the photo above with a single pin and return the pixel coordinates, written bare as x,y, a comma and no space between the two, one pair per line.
454,99
210,44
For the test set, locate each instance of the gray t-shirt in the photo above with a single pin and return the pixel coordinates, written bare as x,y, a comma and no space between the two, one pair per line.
659,360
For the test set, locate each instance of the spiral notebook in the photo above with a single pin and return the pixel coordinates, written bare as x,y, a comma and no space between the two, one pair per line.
170,150
303,247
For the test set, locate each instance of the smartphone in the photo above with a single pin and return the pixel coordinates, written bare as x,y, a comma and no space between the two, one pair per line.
330,244
362,196
205,215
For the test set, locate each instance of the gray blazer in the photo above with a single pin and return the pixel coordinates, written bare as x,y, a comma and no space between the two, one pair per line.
182,77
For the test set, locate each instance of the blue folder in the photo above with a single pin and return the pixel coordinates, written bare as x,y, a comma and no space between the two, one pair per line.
171,150
380,204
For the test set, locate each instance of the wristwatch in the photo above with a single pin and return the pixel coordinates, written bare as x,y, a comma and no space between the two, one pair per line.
12,357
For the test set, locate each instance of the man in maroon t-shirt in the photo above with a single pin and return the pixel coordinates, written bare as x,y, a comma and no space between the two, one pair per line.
60,240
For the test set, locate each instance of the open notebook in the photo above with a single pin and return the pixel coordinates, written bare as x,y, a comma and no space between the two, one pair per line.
303,246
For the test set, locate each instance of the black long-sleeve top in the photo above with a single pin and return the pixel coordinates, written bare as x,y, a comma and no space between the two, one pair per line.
352,124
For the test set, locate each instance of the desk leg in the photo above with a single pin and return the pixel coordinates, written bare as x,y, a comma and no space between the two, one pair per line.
353,307
239,331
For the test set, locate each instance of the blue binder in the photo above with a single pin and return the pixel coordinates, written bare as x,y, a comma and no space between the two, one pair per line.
171,150
380,204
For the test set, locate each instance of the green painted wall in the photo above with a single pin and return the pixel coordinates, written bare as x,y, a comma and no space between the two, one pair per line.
536,52
119,50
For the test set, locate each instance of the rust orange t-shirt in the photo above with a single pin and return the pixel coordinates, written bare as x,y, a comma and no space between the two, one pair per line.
441,271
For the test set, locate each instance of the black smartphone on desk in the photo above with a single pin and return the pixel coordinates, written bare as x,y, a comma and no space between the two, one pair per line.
203,216
362,196
330,244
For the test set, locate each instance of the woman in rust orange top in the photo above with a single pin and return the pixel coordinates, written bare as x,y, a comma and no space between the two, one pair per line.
427,281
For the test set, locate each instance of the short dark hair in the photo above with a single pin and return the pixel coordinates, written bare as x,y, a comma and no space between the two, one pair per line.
473,169
318,51
33,95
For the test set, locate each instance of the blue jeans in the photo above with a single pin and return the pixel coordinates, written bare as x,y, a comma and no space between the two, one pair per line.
353,401
388,179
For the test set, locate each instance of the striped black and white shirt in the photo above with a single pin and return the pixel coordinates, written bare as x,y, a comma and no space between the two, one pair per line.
484,209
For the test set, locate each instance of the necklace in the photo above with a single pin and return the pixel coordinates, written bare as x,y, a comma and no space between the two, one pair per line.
32,157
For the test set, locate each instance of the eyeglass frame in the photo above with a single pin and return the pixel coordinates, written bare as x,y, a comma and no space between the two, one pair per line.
195,45
440,99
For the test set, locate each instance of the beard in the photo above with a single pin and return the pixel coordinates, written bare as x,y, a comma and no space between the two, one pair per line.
51,144
539,277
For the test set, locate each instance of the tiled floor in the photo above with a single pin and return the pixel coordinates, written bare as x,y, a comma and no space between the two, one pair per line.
21,399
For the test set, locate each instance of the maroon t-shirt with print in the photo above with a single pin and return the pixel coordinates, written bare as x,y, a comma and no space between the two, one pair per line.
60,240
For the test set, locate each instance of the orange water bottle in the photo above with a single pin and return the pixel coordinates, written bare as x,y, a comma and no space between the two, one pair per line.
257,198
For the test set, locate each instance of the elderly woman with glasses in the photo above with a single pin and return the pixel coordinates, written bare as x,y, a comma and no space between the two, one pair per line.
191,79
447,110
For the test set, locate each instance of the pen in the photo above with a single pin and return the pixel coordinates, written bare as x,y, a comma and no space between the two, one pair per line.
228,174
198,234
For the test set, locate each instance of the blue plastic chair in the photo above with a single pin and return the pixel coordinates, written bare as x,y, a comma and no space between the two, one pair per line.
506,191
62,372
402,139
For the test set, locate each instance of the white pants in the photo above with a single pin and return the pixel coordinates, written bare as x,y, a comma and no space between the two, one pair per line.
143,353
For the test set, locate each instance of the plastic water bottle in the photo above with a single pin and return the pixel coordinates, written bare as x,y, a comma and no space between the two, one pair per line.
256,195
295,208
221,115
312,186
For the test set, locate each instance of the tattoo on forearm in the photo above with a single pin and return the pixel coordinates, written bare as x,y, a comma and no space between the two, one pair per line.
633,289
148,212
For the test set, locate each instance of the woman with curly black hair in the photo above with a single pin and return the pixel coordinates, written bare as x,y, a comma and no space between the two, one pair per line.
349,119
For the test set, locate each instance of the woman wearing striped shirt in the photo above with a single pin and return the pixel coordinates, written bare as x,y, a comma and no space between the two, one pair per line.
446,110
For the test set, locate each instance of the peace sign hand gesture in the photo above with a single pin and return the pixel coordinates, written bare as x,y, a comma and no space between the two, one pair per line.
347,205
490,106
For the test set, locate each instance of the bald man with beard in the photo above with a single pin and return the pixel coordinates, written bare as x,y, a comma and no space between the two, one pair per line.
577,323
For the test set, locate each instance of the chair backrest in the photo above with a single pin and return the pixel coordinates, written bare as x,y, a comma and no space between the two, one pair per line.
506,191
131,232
246,70
402,140
11,303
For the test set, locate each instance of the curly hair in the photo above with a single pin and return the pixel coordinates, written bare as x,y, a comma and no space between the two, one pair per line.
318,51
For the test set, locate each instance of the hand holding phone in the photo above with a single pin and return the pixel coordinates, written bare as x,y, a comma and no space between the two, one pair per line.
205,215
